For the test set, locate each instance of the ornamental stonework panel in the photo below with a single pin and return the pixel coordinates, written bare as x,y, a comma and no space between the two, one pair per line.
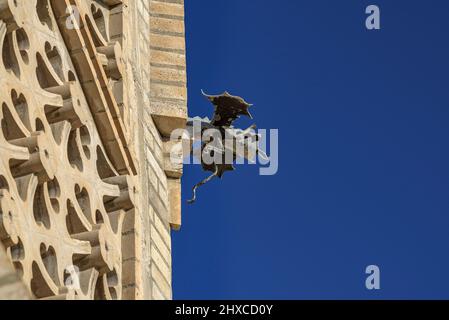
65,186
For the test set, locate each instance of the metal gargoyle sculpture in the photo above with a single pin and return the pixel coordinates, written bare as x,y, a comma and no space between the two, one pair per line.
221,143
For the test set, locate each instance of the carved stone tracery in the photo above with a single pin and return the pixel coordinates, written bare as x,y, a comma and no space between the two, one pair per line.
64,165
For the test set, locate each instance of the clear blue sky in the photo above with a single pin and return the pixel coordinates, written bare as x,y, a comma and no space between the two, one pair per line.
364,151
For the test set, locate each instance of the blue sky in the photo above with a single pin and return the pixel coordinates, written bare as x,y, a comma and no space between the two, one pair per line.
363,173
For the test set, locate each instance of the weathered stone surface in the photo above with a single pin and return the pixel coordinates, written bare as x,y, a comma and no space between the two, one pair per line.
168,81
173,159
167,75
167,26
167,8
174,191
85,108
11,286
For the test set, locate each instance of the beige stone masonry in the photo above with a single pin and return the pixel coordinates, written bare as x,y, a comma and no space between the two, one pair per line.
88,195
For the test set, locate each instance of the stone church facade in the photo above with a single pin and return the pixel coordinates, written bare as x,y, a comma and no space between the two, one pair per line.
90,91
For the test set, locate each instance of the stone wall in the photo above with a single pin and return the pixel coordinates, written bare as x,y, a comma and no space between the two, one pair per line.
111,81
11,286
155,60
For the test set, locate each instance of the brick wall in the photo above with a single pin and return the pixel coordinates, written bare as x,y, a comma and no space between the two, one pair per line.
154,53
153,103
